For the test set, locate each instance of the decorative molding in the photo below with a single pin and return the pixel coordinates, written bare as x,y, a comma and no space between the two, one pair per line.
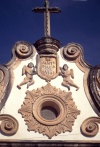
94,86
1,76
71,51
9,125
49,96
47,45
22,50
6,71
49,143
4,80
90,127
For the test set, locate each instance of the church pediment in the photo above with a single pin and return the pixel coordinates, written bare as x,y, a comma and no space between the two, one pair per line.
48,92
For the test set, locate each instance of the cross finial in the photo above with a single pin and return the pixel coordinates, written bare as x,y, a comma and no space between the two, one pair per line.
46,10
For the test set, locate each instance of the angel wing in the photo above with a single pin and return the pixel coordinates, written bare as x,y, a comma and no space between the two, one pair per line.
23,70
72,73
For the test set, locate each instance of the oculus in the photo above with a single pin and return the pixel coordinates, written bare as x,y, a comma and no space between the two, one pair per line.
49,110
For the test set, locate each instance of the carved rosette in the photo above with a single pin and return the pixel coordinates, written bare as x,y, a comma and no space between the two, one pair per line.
72,51
23,49
9,125
90,127
37,103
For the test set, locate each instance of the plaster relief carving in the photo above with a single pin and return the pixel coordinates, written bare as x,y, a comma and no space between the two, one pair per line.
9,125
94,86
66,74
71,51
49,110
90,127
47,45
98,81
4,80
29,71
1,76
2,84
23,49
47,66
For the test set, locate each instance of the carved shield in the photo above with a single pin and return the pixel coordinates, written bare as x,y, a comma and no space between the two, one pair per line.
47,66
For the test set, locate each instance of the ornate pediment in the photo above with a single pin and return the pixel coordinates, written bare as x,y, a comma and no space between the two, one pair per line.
49,110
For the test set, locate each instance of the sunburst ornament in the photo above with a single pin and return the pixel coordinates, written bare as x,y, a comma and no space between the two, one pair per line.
49,110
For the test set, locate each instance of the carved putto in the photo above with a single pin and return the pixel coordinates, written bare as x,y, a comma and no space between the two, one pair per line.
49,110
29,71
66,74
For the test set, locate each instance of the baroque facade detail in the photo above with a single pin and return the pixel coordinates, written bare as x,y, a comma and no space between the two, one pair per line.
48,66
66,74
94,86
23,49
49,110
9,125
28,71
71,51
90,127
4,80
47,45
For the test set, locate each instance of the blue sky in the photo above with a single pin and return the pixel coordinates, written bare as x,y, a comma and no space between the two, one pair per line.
78,22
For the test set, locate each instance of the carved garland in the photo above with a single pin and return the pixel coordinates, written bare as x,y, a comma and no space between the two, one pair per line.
90,126
49,96
9,125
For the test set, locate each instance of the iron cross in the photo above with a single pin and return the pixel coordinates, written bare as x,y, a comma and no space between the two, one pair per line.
46,10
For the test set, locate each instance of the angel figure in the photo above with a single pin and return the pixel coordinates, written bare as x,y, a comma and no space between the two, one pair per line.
66,74
29,71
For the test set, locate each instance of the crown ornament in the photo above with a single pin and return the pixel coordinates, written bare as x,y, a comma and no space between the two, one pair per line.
47,44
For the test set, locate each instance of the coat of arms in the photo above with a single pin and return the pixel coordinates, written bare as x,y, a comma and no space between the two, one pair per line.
47,66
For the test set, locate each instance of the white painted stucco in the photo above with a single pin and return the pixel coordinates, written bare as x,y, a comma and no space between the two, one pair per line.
16,98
